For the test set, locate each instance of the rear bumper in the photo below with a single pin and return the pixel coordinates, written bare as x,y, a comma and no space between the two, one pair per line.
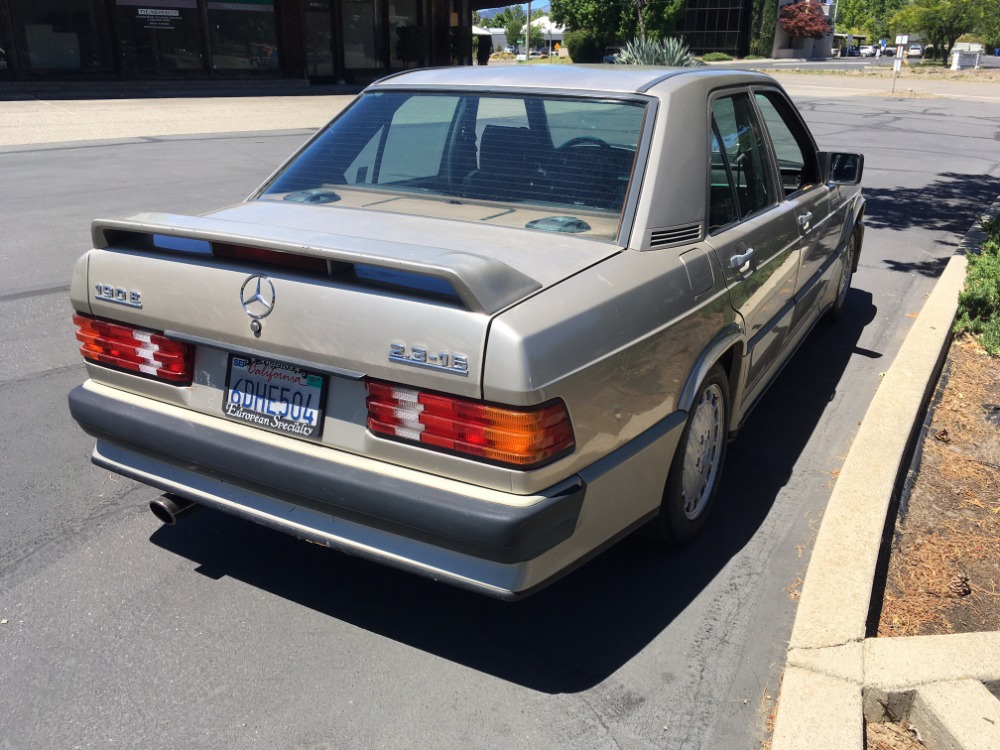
217,467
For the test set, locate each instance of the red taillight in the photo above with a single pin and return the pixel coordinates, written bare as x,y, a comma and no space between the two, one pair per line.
134,349
519,437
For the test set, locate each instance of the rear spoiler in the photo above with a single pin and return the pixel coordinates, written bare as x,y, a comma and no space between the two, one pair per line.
482,284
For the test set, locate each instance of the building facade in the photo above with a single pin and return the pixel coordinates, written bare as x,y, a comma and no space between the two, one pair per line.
352,41
716,26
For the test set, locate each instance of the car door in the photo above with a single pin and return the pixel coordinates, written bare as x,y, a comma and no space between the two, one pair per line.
809,197
754,234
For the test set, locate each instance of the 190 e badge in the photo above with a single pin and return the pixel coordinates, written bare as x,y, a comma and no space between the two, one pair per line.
118,295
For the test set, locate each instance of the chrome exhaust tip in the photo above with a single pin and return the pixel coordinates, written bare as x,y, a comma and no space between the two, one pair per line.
171,509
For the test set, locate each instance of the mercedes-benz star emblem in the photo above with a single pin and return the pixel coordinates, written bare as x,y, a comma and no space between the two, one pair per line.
257,296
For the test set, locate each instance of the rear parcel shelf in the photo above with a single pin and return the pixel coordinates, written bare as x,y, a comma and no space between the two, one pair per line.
478,283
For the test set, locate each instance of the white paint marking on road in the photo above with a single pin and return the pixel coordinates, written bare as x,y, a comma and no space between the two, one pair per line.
56,106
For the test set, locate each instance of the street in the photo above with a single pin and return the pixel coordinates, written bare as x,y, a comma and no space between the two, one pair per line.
217,633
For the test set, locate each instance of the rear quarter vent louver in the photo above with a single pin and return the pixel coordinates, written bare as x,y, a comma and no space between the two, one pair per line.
671,236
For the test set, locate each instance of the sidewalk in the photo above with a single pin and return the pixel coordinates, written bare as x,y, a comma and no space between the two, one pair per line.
25,122
30,122
860,84
835,677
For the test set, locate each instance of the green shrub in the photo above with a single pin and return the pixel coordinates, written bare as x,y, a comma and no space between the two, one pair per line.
716,57
585,46
979,301
671,52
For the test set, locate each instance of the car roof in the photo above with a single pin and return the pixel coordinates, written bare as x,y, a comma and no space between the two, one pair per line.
622,79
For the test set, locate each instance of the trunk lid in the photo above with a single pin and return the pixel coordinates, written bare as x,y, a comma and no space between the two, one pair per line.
401,298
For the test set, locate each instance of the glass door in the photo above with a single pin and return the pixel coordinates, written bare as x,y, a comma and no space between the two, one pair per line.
318,34
362,47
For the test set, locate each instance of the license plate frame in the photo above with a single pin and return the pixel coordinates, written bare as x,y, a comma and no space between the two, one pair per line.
276,396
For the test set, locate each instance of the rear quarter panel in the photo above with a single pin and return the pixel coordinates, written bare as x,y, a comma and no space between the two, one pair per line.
617,343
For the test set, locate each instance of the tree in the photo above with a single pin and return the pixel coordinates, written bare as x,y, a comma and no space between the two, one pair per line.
537,38
513,20
804,19
584,45
989,28
599,16
618,20
639,7
763,26
873,18
941,22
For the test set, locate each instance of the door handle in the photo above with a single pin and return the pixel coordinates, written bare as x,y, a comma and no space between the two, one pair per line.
804,219
739,262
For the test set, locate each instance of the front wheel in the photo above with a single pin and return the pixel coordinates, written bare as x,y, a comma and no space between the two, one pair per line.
696,469
844,280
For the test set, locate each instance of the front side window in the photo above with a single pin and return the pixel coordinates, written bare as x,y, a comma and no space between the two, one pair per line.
792,145
552,164
741,183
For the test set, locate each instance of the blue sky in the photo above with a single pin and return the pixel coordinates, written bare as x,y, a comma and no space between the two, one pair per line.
490,12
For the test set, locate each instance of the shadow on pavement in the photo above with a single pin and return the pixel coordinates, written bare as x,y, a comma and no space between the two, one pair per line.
950,204
574,634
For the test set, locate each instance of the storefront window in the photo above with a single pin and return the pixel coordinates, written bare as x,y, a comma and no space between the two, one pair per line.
4,45
61,35
361,50
243,35
160,37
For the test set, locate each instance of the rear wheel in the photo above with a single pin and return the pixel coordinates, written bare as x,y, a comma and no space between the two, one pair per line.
696,469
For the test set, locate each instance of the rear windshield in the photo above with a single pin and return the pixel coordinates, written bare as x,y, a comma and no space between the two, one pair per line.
544,163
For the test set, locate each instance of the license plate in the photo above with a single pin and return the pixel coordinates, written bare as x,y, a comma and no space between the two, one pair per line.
274,395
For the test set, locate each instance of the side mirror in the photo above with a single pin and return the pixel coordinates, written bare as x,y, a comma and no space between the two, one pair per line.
841,168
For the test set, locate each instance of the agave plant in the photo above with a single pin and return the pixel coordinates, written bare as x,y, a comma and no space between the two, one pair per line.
671,52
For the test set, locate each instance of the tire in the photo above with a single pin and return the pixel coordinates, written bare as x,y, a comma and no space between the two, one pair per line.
844,281
696,469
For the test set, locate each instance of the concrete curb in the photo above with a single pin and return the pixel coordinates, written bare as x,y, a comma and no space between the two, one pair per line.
835,677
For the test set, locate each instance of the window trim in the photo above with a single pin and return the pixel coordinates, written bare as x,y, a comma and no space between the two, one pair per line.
789,109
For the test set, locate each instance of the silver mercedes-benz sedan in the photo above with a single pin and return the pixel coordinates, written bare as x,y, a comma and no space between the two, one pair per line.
482,325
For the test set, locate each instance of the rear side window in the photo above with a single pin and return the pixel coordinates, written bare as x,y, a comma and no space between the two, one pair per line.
741,183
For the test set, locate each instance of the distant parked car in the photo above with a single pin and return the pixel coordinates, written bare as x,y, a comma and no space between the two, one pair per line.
915,50
868,50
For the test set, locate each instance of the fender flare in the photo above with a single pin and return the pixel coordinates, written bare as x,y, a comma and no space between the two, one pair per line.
731,337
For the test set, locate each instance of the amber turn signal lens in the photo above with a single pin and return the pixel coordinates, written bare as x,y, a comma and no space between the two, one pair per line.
520,437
